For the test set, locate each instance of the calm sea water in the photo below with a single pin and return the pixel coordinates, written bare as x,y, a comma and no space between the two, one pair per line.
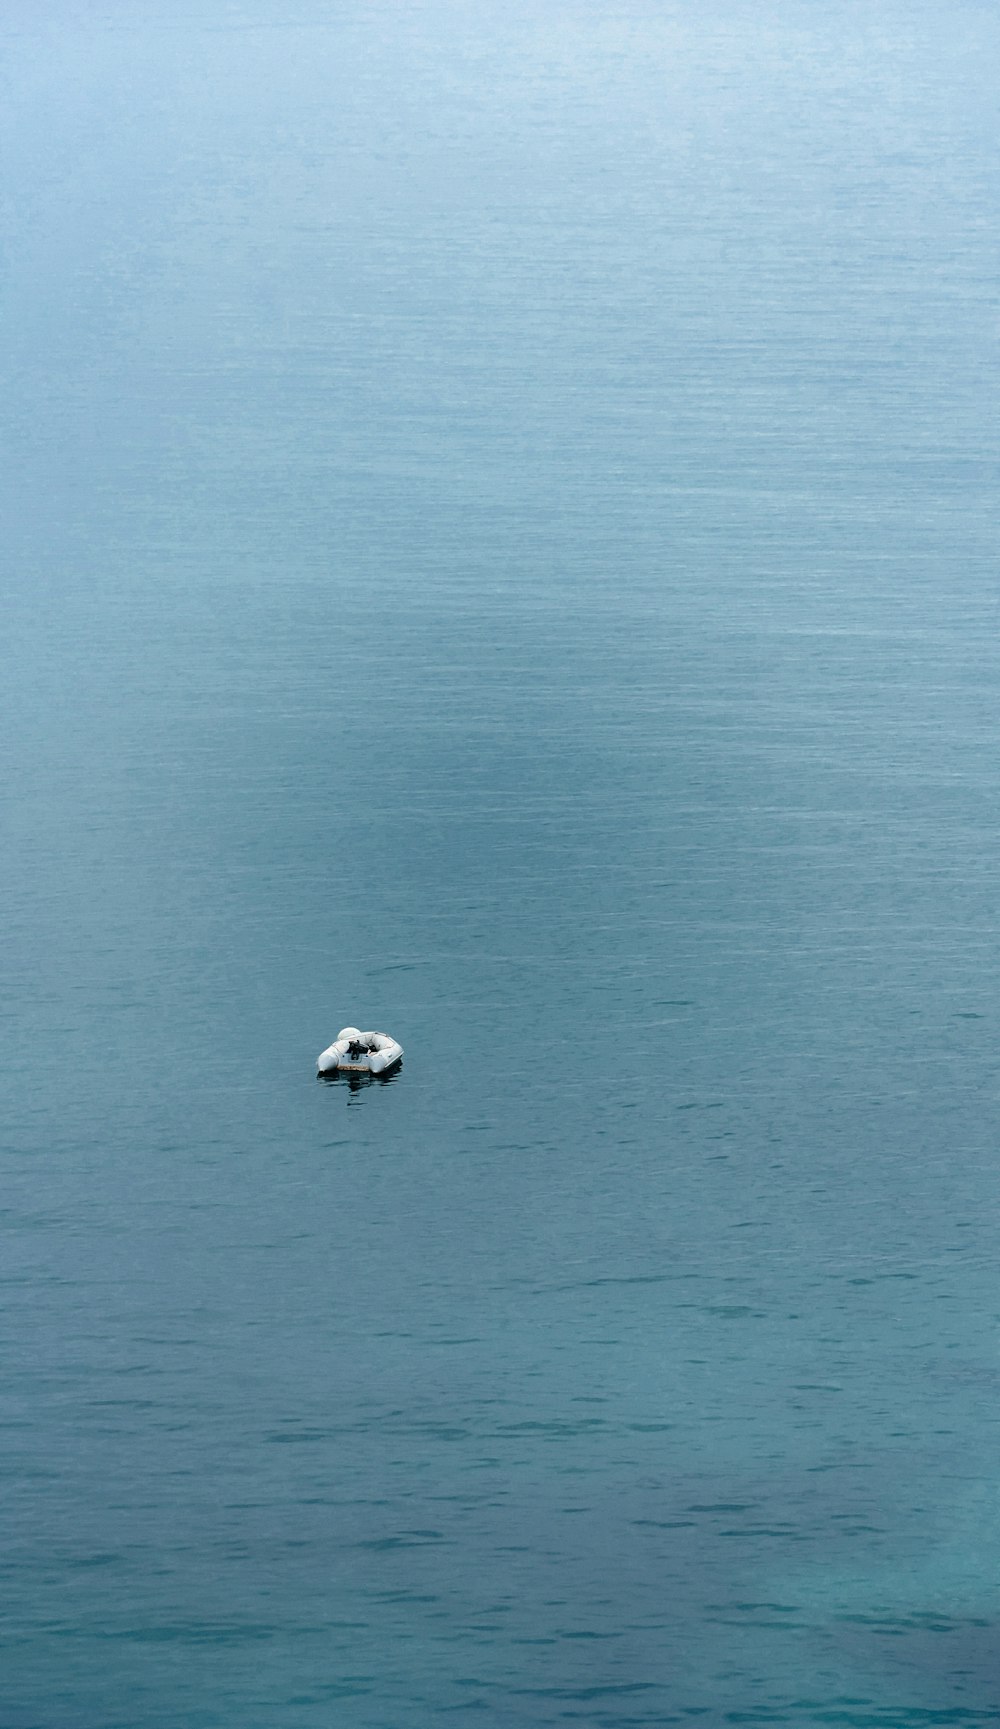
500,547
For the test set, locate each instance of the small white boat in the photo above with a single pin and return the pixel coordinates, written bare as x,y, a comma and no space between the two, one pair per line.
359,1053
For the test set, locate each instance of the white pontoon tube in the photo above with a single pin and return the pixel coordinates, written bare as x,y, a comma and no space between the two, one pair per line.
359,1053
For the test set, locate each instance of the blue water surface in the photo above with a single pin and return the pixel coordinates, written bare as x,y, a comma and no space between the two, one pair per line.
500,548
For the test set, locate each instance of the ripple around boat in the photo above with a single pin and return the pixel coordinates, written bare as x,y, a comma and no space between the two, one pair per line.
354,1052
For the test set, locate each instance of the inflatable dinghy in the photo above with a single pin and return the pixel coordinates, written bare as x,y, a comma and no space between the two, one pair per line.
359,1053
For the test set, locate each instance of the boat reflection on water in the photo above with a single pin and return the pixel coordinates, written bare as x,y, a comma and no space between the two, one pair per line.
356,1082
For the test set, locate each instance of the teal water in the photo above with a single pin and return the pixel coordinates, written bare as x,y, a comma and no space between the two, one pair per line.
500,547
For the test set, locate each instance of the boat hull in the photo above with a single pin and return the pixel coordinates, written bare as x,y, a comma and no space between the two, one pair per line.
377,1056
